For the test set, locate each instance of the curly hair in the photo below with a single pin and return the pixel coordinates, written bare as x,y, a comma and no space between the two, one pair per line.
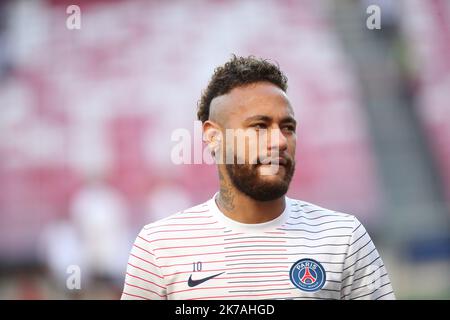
237,72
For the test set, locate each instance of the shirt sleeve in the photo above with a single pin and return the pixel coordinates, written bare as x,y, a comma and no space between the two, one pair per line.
364,274
144,279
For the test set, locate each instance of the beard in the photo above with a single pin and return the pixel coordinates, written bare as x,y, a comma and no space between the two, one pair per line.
247,179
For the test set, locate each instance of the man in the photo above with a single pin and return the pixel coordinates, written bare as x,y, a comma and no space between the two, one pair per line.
250,241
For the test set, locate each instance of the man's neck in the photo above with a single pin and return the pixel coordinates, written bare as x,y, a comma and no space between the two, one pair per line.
240,207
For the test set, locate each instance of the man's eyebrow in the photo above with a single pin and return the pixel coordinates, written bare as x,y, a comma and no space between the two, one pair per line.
288,119
258,117
269,119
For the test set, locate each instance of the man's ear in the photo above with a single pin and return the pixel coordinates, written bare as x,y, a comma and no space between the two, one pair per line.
212,135
211,132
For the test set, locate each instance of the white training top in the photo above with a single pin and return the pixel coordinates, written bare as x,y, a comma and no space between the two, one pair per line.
200,253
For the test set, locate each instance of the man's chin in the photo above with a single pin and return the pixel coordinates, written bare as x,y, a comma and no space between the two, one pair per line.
272,181
263,182
268,190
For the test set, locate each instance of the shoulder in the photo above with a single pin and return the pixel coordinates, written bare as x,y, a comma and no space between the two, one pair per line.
311,216
197,215
197,210
311,210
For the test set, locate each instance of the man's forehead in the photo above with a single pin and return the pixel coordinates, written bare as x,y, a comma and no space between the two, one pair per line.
261,98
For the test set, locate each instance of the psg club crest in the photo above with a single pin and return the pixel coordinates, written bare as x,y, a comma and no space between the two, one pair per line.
307,275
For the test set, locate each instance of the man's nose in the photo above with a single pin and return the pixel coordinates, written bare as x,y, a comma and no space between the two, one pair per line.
277,140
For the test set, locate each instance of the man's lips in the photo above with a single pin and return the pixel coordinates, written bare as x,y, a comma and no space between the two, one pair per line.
271,161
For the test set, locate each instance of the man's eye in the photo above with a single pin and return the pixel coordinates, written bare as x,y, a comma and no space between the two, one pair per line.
259,126
289,128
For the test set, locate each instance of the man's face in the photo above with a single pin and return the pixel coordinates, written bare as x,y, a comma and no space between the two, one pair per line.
259,139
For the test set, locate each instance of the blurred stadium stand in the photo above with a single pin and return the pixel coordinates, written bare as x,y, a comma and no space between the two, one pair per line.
87,115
